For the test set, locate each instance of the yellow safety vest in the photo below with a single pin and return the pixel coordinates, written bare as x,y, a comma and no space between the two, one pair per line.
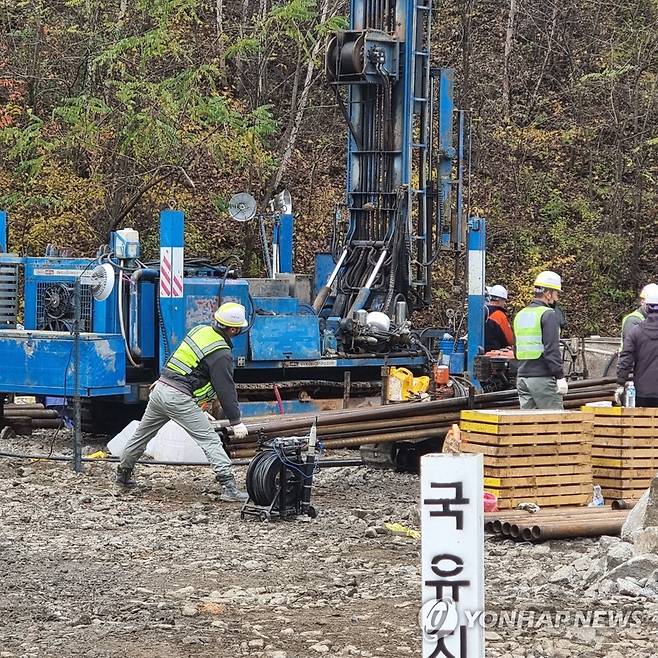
527,331
199,343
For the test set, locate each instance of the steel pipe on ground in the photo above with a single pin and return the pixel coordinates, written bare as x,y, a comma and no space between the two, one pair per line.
573,528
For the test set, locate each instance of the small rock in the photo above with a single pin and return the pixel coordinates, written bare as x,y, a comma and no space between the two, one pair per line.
256,644
645,541
606,542
563,575
189,610
182,593
491,636
629,587
635,519
360,513
320,648
370,533
618,554
638,567
287,632
277,654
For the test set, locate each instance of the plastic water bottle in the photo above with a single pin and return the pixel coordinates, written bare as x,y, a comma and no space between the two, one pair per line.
597,497
630,394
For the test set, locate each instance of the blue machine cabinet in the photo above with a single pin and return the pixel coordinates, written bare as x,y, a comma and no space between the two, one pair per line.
41,363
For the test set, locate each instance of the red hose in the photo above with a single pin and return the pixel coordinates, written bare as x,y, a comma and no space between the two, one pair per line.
279,401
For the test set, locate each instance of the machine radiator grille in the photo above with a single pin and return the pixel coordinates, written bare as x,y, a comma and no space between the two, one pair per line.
8,295
55,311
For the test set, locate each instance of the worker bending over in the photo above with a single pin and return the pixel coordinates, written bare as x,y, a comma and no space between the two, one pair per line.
540,381
640,356
638,315
200,370
498,332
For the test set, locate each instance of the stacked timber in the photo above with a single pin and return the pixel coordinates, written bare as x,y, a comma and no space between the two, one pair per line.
624,450
532,456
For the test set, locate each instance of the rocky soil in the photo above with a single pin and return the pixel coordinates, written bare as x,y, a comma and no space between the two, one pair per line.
167,570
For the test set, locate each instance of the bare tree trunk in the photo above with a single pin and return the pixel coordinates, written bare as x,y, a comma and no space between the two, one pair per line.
123,8
219,16
549,52
297,116
509,42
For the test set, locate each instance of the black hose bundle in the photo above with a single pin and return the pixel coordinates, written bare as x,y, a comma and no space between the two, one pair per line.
263,479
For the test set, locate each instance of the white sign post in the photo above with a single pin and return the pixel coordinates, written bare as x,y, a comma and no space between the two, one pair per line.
452,524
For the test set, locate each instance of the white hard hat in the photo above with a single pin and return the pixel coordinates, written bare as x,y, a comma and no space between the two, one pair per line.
650,295
498,291
378,320
231,314
549,280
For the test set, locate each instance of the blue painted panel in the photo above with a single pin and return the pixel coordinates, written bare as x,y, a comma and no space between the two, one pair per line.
282,337
280,305
285,240
147,321
324,266
201,296
272,408
41,363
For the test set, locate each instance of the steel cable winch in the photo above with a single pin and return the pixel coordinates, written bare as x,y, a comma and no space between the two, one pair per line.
280,478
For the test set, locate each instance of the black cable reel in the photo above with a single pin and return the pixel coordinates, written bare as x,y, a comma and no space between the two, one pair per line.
280,477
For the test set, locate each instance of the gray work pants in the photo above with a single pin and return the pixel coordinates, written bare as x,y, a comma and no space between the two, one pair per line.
166,403
538,393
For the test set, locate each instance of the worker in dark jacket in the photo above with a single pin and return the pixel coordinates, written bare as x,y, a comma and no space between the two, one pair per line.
640,357
199,371
540,382
498,333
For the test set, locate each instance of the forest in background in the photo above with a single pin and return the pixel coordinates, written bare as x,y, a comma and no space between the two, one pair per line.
111,110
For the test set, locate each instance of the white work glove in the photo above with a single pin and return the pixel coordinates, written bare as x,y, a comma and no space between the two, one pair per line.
240,430
619,396
562,386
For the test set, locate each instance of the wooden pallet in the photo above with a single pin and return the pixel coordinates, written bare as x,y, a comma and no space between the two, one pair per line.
510,501
624,450
541,456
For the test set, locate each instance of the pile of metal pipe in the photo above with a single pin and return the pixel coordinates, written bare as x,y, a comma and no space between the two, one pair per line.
407,421
555,523
23,418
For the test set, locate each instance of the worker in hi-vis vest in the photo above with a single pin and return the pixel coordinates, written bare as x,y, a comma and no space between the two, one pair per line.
540,380
638,315
199,371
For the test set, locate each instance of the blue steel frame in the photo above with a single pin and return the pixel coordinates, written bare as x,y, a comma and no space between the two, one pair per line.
3,232
172,309
477,242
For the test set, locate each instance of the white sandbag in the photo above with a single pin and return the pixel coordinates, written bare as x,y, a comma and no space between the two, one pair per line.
172,444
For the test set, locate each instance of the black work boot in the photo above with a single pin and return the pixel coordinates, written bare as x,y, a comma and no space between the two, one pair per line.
124,477
230,492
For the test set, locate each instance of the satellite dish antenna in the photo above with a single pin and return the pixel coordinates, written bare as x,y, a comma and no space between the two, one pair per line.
101,279
242,207
282,203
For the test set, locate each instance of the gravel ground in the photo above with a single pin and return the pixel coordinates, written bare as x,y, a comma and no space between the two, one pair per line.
167,570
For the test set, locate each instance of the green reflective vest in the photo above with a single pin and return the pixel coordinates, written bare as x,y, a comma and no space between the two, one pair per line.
199,342
632,314
527,331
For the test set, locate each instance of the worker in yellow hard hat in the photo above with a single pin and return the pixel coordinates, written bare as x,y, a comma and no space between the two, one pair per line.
199,371
540,381
638,315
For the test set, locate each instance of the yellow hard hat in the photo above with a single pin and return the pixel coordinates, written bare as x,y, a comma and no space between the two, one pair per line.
231,314
549,280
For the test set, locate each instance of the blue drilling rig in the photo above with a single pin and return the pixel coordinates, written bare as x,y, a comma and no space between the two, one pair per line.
102,327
